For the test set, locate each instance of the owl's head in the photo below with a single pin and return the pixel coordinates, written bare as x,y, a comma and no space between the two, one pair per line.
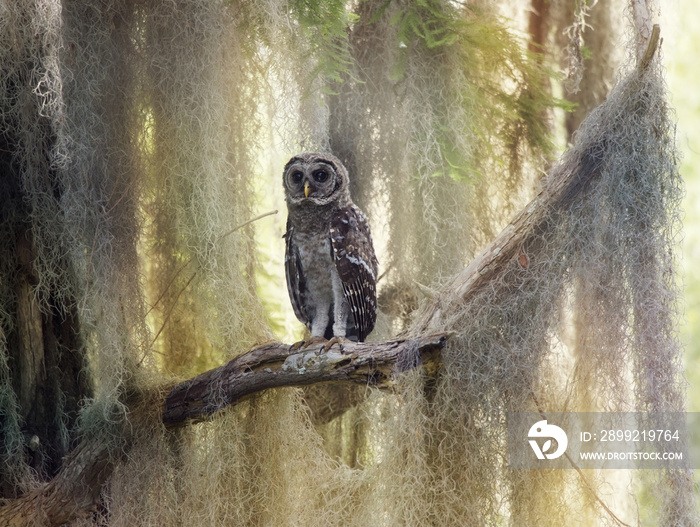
315,178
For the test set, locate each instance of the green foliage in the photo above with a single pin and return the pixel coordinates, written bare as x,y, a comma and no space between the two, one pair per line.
429,21
324,25
586,53
507,91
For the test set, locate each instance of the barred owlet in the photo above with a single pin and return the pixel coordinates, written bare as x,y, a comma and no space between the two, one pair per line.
330,264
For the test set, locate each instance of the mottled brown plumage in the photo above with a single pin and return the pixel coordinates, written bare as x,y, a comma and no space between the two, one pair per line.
330,263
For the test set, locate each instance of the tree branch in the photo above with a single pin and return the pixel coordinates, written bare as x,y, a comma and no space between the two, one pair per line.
76,489
273,365
72,493
651,47
516,241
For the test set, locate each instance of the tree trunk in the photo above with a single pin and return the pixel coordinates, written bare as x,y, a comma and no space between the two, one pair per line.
71,494
41,333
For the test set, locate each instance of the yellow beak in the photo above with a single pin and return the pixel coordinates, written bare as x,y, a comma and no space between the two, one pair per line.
307,189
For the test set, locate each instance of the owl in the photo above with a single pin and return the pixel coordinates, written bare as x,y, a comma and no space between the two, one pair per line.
329,260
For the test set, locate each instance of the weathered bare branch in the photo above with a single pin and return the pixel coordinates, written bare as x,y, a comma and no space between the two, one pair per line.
516,241
73,492
70,494
274,365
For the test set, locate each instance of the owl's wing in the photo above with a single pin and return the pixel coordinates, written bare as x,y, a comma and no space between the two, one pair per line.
353,254
296,281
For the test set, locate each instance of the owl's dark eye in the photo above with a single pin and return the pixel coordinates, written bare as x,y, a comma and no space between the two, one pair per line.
297,177
321,176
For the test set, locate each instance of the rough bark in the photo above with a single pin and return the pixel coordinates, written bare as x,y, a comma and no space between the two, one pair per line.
514,242
274,365
518,240
72,493
76,489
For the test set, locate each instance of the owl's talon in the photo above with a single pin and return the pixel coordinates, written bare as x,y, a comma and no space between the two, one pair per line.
340,341
303,344
297,345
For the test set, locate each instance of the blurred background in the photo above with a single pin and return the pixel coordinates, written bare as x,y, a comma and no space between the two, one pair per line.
681,39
